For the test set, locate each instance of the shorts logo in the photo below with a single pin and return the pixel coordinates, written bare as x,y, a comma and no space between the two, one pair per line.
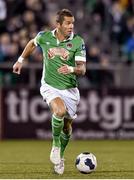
63,53
69,45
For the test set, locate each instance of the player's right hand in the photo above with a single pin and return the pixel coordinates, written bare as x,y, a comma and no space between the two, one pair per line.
17,67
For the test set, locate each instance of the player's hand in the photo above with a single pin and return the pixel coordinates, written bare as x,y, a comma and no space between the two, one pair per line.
66,69
17,67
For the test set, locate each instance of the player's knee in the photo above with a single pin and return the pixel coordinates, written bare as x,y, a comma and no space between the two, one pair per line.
60,112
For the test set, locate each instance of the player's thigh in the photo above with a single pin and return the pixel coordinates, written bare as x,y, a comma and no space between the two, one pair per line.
58,107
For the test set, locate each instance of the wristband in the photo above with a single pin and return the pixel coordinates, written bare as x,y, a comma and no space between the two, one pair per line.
20,59
71,69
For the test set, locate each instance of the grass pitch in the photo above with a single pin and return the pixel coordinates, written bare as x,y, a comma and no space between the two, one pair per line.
30,159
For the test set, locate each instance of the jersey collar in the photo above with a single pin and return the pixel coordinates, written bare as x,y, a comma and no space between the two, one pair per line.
69,38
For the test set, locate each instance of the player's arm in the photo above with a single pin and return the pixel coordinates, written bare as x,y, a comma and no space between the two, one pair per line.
80,62
79,69
26,52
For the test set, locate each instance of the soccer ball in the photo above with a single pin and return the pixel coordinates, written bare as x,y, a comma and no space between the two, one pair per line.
86,162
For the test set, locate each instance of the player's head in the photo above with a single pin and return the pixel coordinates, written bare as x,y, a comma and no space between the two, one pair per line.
65,22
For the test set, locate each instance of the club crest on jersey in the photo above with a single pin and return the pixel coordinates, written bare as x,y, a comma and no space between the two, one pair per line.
69,45
56,51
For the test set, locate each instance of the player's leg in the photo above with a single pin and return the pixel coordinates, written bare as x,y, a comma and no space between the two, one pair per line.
64,138
71,100
65,135
58,109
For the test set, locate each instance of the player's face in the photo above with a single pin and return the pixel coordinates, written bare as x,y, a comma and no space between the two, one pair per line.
66,28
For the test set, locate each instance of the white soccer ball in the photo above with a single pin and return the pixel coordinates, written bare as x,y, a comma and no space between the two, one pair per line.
86,162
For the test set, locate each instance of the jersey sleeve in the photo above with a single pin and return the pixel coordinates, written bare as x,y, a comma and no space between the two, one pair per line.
38,38
80,54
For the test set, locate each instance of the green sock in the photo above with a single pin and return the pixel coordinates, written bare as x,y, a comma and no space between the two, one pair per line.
57,126
64,139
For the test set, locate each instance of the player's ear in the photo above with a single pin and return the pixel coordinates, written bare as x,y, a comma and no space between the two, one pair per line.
57,24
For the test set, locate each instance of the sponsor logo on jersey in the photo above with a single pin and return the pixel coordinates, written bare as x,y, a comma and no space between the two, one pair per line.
83,47
63,53
83,50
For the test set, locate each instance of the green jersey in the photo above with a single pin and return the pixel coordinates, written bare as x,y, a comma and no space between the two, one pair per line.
57,54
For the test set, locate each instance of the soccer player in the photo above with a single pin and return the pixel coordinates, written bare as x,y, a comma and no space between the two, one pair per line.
64,58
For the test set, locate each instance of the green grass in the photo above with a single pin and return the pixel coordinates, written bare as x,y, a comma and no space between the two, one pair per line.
30,159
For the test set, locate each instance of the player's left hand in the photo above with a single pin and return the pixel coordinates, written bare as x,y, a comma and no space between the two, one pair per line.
65,69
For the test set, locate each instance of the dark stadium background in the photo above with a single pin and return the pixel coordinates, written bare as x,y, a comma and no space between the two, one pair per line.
107,90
